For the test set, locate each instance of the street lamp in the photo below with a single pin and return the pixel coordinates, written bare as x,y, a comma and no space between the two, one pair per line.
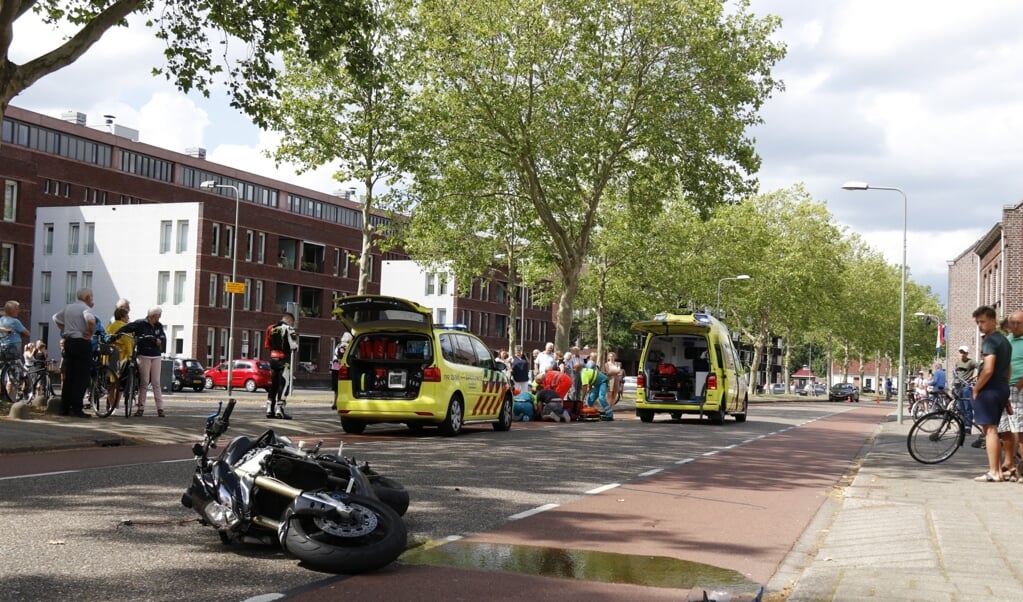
739,277
902,300
230,287
928,318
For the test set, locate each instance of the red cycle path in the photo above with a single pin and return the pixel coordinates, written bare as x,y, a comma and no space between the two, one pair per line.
740,509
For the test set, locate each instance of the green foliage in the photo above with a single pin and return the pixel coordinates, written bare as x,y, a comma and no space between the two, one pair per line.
546,105
200,35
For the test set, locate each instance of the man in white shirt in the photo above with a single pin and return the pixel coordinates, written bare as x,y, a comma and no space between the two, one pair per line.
546,360
77,323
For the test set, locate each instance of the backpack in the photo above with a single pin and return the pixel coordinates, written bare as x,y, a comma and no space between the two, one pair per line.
274,340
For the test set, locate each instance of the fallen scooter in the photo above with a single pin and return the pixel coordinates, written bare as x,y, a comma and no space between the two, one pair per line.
329,511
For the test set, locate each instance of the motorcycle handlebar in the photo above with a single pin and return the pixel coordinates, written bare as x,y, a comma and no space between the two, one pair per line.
229,409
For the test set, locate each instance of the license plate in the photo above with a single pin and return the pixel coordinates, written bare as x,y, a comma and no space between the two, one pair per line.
396,379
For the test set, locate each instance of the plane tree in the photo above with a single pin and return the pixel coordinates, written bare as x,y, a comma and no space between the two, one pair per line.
199,37
569,97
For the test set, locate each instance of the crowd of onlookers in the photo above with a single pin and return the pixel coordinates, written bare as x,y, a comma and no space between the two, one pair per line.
561,387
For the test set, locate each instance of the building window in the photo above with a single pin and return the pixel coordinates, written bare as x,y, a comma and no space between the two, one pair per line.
442,284
73,231
10,201
229,242
182,236
211,341
247,297
337,261
86,279
348,260
6,263
225,298
259,295
245,344
72,287
501,326
47,239
224,352
90,238
430,286
261,248
213,290
485,290
257,337
499,294
45,286
179,288
177,340
215,242
166,228
369,269
162,285
442,315
248,245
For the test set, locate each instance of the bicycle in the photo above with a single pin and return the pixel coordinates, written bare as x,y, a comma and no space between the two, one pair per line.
127,378
12,376
102,390
937,436
38,382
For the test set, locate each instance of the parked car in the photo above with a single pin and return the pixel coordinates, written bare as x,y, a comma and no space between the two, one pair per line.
629,384
777,388
250,374
401,367
817,390
843,392
188,373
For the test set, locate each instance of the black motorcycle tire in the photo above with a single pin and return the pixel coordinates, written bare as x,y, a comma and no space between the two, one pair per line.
324,551
390,492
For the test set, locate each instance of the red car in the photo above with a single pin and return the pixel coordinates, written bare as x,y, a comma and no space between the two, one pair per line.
250,374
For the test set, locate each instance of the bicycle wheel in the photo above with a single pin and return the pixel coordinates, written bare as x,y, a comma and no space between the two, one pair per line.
5,383
935,437
101,391
42,388
129,390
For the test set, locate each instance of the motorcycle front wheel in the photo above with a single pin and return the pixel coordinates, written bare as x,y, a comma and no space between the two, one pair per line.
372,537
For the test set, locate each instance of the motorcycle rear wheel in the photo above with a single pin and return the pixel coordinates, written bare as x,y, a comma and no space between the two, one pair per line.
345,546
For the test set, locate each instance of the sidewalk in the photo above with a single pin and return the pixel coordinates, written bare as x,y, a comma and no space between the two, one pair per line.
908,531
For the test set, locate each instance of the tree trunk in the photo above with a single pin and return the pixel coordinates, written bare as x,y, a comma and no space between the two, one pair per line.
569,290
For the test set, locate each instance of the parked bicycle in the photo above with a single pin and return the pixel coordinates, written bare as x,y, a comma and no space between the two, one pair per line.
38,383
938,435
115,384
12,377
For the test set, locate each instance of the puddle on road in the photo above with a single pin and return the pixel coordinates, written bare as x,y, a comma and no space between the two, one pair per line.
609,567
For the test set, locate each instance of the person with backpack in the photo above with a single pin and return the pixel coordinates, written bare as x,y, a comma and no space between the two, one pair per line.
281,339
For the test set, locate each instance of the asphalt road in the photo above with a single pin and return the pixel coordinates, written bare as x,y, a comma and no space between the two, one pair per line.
108,524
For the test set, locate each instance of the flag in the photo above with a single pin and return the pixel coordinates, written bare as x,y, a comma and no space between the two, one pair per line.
941,339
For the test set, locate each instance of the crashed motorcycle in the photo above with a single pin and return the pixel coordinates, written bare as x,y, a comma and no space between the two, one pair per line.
328,510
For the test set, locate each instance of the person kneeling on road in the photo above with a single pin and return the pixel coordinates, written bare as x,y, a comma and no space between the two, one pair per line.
595,390
552,406
524,406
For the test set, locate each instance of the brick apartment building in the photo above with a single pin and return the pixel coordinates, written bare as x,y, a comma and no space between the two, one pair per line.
173,241
989,272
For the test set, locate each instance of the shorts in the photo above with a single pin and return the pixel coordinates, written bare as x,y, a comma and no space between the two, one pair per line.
989,403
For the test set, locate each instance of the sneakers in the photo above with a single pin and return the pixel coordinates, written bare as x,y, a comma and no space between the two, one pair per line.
565,416
979,443
160,414
609,417
282,416
525,418
138,413
270,415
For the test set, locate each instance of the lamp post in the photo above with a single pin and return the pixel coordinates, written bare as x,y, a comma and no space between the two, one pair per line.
739,277
902,300
230,287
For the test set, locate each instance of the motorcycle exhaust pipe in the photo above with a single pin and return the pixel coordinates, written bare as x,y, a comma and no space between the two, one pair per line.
271,484
267,523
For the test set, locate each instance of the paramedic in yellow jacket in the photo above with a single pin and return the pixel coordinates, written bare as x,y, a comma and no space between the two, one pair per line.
594,384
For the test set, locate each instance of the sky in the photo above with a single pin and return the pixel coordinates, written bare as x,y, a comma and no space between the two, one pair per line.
924,96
